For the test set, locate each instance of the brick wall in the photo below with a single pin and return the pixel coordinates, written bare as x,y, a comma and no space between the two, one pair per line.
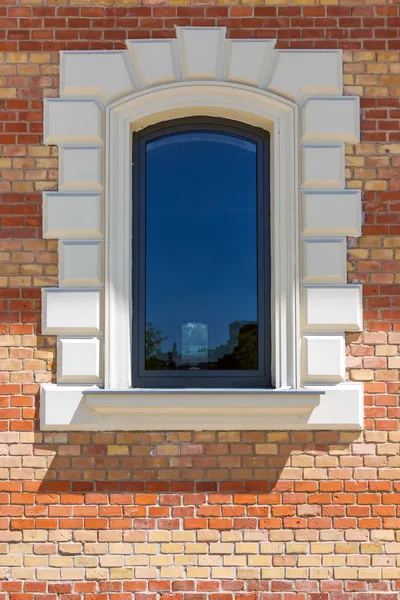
197,515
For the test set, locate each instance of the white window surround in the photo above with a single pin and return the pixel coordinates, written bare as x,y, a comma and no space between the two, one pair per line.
294,94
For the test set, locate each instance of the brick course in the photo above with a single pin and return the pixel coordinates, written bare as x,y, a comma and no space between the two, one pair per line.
197,515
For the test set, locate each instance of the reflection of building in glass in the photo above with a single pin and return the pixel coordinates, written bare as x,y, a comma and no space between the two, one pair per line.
240,351
194,343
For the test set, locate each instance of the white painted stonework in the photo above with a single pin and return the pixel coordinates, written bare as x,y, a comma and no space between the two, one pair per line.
331,308
78,360
322,166
71,311
334,119
96,74
72,216
323,260
249,61
324,358
73,121
80,169
330,213
299,74
104,98
81,263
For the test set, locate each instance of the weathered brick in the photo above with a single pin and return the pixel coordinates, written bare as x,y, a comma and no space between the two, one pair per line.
94,514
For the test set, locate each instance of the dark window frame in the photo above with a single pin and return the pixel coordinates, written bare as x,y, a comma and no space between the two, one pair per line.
260,378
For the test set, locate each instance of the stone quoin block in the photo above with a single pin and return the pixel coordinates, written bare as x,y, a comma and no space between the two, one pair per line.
330,213
78,360
72,215
330,120
81,169
81,263
71,311
323,359
322,166
332,308
298,73
73,121
323,260
104,74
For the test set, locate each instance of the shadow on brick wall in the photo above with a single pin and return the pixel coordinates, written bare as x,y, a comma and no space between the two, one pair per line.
194,461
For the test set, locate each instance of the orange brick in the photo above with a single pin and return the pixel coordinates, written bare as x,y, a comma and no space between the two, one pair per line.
76,504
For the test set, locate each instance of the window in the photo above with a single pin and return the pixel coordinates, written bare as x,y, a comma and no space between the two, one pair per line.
201,255
303,303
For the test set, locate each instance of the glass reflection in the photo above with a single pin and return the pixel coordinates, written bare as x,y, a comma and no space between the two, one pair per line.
201,252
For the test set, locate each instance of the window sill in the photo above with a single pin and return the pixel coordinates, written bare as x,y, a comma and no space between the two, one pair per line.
70,407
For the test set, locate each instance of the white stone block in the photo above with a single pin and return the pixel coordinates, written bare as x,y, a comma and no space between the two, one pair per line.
155,62
331,213
249,61
80,169
300,73
323,260
104,74
71,311
330,120
202,51
323,359
342,406
72,216
71,121
80,263
63,407
78,360
331,308
322,167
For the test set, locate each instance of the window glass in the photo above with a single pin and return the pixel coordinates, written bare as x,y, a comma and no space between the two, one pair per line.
201,255
201,300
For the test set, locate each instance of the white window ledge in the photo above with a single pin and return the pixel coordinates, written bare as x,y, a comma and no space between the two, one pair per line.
66,407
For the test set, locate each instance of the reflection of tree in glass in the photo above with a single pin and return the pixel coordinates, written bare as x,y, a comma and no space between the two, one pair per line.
245,354
153,339
239,353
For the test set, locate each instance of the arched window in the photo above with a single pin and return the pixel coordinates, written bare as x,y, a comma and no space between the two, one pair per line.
298,299
201,255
